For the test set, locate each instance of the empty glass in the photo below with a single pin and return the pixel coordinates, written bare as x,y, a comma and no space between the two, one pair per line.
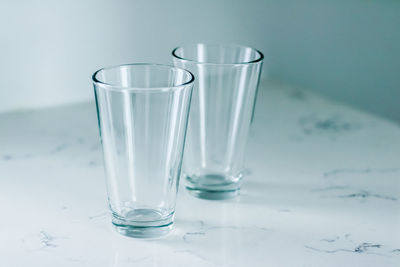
227,78
142,111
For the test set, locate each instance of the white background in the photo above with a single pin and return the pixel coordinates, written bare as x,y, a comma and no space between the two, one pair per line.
346,49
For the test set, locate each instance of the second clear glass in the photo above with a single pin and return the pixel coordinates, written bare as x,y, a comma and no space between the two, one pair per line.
224,94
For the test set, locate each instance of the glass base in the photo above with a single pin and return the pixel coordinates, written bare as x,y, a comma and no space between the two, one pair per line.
143,223
213,186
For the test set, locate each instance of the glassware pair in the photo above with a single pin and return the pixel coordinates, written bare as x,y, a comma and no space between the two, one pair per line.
143,113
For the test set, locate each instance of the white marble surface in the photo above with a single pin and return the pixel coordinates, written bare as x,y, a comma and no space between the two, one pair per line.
323,189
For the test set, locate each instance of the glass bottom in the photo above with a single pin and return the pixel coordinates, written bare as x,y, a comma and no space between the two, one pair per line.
143,223
213,186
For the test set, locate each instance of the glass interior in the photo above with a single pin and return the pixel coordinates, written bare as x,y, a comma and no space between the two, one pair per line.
143,121
142,76
218,54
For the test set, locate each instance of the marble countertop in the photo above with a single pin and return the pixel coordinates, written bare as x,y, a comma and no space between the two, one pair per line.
322,189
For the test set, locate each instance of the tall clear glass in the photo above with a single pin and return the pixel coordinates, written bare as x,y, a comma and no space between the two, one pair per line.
224,94
142,111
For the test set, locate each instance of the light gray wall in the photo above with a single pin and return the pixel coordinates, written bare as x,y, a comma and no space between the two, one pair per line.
348,50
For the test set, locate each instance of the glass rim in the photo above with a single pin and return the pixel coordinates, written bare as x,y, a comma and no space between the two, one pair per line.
240,63
120,88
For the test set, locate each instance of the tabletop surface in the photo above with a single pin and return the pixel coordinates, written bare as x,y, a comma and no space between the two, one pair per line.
322,188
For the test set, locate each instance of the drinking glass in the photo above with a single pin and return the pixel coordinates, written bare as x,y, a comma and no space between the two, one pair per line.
142,113
224,94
